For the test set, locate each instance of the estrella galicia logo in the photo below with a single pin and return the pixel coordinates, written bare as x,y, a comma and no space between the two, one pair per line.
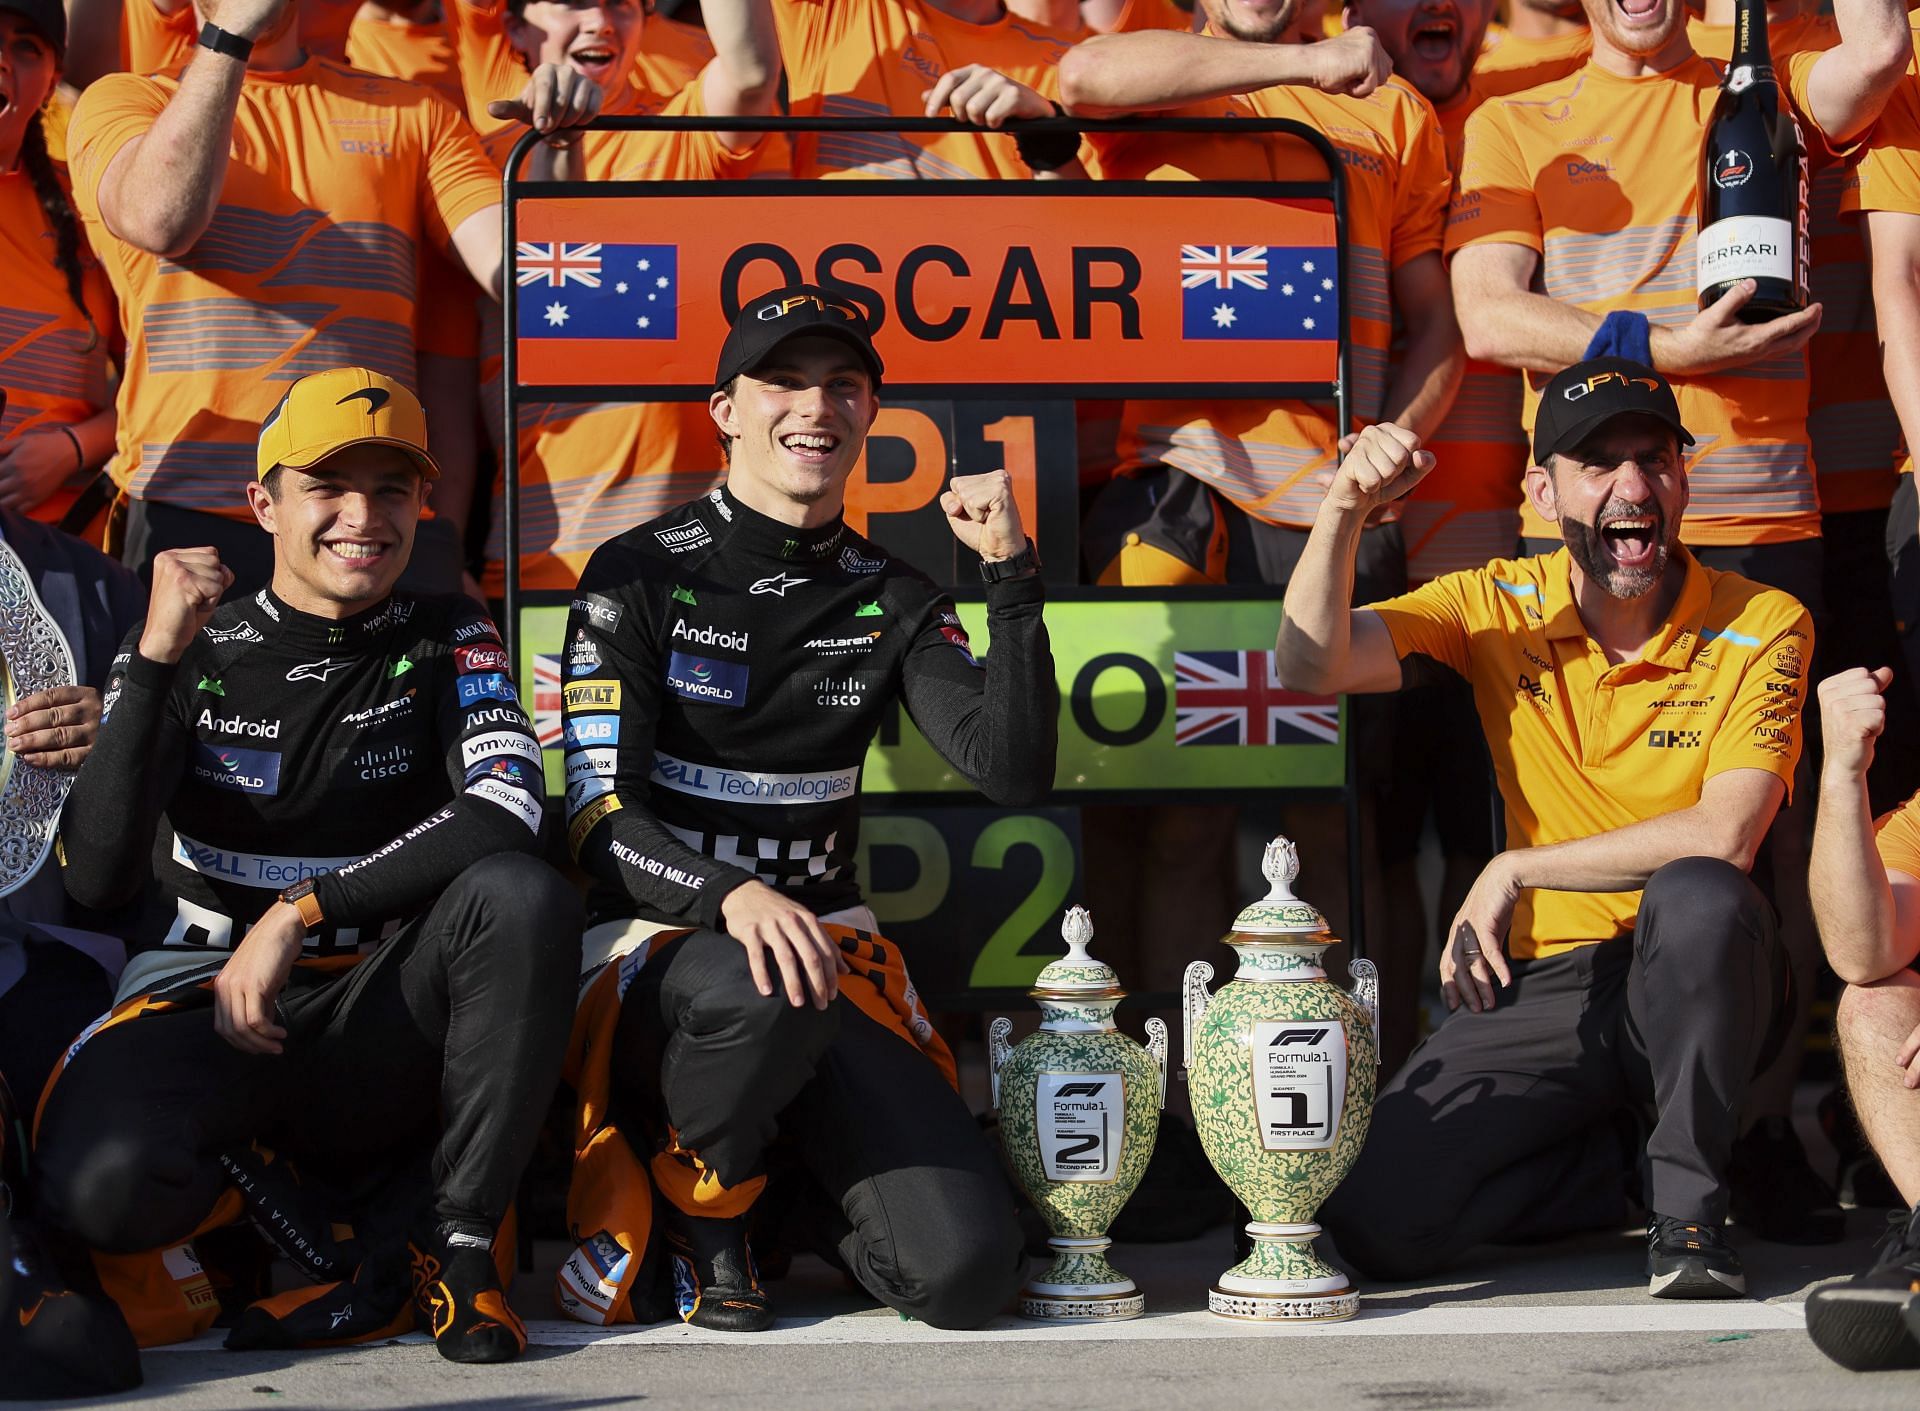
229,767
706,680
1732,168
484,686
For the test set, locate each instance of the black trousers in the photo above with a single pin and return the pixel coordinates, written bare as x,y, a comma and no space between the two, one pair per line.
925,1218
1503,1126
452,1032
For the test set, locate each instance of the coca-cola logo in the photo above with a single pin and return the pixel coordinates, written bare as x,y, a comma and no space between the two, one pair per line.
1732,168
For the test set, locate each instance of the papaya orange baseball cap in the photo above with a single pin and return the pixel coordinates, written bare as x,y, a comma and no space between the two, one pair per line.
326,412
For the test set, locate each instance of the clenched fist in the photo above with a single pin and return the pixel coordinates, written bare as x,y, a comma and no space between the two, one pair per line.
187,586
1352,63
982,514
1384,463
1853,712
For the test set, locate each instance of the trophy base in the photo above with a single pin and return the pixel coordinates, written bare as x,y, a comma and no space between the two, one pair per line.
1081,1286
1283,1280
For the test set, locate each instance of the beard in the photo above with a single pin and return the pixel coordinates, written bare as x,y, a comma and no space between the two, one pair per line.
1587,545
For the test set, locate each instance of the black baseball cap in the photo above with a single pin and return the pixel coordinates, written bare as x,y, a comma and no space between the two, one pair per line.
47,16
767,322
1581,399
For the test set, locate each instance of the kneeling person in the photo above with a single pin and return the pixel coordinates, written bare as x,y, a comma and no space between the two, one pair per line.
733,660
346,952
1644,718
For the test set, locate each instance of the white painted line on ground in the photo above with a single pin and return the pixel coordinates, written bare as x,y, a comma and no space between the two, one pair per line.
1508,1320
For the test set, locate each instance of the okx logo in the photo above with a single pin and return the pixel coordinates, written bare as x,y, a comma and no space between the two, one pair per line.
245,771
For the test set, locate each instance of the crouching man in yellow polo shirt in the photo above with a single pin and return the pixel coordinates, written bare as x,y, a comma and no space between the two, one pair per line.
1644,718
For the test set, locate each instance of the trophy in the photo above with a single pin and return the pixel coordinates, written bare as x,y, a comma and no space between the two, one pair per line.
34,656
1079,1106
1283,1066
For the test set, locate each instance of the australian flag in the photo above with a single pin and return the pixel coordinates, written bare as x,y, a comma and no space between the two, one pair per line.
1235,698
1259,291
595,290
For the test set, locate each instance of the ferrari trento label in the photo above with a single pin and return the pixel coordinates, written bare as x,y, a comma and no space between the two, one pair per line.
1745,247
1081,1118
1299,1082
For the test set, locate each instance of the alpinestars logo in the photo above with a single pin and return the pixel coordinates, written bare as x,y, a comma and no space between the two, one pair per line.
316,670
778,584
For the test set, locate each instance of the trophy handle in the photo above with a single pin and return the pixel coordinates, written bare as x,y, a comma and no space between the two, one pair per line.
998,1052
1193,1007
1366,993
1157,1050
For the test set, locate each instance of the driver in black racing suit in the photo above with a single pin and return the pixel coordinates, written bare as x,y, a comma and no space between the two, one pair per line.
348,948
728,666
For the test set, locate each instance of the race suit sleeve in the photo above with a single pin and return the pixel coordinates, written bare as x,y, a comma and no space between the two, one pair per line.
611,719
493,759
997,723
137,761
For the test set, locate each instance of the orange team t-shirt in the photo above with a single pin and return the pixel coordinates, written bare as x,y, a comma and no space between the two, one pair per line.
1275,460
155,42
1591,172
589,471
1583,746
1897,839
877,59
308,264
1850,421
420,52
53,363
1507,63
1468,510
1887,175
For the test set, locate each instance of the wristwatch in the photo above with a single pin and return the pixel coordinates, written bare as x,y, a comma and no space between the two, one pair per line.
301,898
1019,566
226,42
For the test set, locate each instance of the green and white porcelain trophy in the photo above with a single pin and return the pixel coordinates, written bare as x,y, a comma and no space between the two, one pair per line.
1283,1065
1079,1106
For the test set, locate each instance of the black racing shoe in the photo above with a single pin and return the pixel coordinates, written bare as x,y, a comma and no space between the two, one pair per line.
457,1293
1687,1260
715,1284
1775,1193
1871,1322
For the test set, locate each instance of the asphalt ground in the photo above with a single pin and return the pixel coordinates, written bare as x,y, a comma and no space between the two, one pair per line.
1560,1325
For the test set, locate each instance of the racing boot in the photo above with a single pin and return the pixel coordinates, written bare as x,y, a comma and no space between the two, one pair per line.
457,1293
715,1283
1871,1322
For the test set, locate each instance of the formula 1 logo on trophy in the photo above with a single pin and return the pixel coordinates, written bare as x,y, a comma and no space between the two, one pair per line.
1079,1106
1283,1065
34,656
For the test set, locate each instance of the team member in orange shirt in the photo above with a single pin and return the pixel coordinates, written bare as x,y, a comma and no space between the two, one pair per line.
406,41
1866,893
239,270
1541,41
912,58
56,312
159,34
1224,491
589,473
1644,715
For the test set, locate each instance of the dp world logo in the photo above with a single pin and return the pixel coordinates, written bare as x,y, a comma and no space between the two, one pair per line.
1732,168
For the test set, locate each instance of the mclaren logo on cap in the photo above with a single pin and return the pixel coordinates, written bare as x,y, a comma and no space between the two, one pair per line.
377,397
1603,379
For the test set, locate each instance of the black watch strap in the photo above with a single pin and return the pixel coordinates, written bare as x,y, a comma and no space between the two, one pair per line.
225,42
1019,566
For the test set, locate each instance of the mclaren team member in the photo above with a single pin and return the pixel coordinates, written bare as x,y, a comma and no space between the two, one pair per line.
731,663
346,951
1644,717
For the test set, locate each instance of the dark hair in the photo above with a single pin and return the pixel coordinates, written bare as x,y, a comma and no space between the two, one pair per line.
730,386
272,481
37,162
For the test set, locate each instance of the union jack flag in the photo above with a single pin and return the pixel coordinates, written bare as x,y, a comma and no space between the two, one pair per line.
547,681
1223,266
1234,698
557,264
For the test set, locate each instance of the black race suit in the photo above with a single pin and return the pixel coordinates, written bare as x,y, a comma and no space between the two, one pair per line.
387,756
726,674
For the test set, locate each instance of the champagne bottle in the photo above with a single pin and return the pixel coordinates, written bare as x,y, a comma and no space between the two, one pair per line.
1753,183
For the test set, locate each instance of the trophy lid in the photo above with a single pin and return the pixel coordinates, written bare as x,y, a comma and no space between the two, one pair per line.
1077,975
1280,913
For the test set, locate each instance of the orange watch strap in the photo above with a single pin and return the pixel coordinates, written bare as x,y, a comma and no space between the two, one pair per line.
308,905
